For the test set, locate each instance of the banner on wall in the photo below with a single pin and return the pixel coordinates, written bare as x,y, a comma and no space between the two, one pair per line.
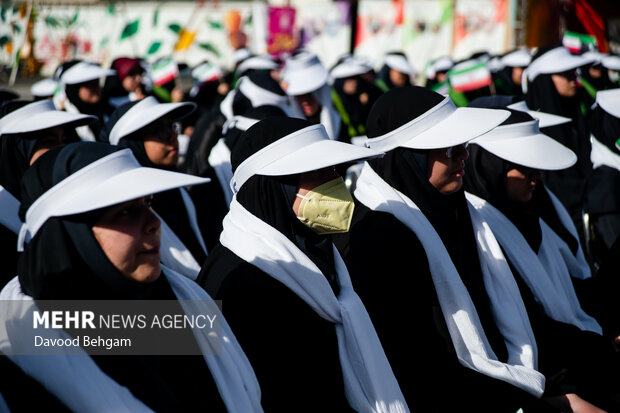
480,26
281,33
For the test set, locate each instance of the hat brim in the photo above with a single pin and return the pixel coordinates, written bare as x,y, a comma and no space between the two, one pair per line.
463,125
609,100
545,119
147,115
536,151
300,82
47,120
43,88
127,186
85,74
316,156
611,62
399,63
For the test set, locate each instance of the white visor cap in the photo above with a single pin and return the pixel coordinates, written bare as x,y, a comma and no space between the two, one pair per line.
84,72
111,180
304,73
38,116
443,126
545,119
144,112
305,150
524,144
609,100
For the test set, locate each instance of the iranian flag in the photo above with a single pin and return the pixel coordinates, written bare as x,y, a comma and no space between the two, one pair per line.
471,77
577,42
164,71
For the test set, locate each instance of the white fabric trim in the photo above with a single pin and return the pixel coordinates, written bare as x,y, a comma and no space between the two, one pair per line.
219,159
226,104
260,97
83,132
82,386
274,151
545,274
471,345
370,385
329,116
601,155
409,130
9,211
238,122
173,253
577,265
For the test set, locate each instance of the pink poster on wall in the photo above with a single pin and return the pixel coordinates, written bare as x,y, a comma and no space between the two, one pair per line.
281,38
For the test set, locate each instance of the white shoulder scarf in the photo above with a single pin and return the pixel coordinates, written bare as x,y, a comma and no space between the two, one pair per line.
471,344
219,159
576,263
83,132
9,211
601,155
82,386
174,254
545,274
370,385
329,116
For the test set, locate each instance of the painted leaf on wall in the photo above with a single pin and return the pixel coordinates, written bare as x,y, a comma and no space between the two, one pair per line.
215,25
75,16
112,8
154,48
155,17
17,28
175,27
130,29
210,48
4,40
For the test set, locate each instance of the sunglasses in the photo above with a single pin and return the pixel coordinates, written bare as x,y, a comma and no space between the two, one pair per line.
163,130
455,150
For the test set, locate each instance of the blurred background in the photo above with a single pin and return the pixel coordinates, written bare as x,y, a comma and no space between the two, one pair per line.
37,36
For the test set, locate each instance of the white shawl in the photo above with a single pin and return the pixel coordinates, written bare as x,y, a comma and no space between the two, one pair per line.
219,159
329,116
173,253
9,211
545,274
370,385
82,386
471,344
83,132
601,155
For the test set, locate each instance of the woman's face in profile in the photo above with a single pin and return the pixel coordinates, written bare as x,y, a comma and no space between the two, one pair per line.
521,183
130,235
446,168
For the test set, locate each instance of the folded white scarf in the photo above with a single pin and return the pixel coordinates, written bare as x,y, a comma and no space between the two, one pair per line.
545,274
470,342
173,253
370,385
219,159
82,386
9,209
84,132
601,155
329,116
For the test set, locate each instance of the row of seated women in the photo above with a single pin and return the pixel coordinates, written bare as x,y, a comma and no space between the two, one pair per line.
408,295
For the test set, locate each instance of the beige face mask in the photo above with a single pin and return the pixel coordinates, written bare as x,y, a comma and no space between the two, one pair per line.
328,208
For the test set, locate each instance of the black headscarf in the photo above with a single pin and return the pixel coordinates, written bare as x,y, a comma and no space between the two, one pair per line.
262,79
568,184
233,137
270,198
384,74
65,261
169,204
406,170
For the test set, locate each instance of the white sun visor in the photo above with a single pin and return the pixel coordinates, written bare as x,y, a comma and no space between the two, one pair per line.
609,100
144,112
399,63
443,126
84,72
38,116
545,119
305,150
557,60
108,181
304,73
524,144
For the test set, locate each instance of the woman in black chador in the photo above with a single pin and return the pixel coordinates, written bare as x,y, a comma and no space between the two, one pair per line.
423,260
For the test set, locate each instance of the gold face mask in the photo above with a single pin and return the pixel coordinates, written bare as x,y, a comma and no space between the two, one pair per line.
328,208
